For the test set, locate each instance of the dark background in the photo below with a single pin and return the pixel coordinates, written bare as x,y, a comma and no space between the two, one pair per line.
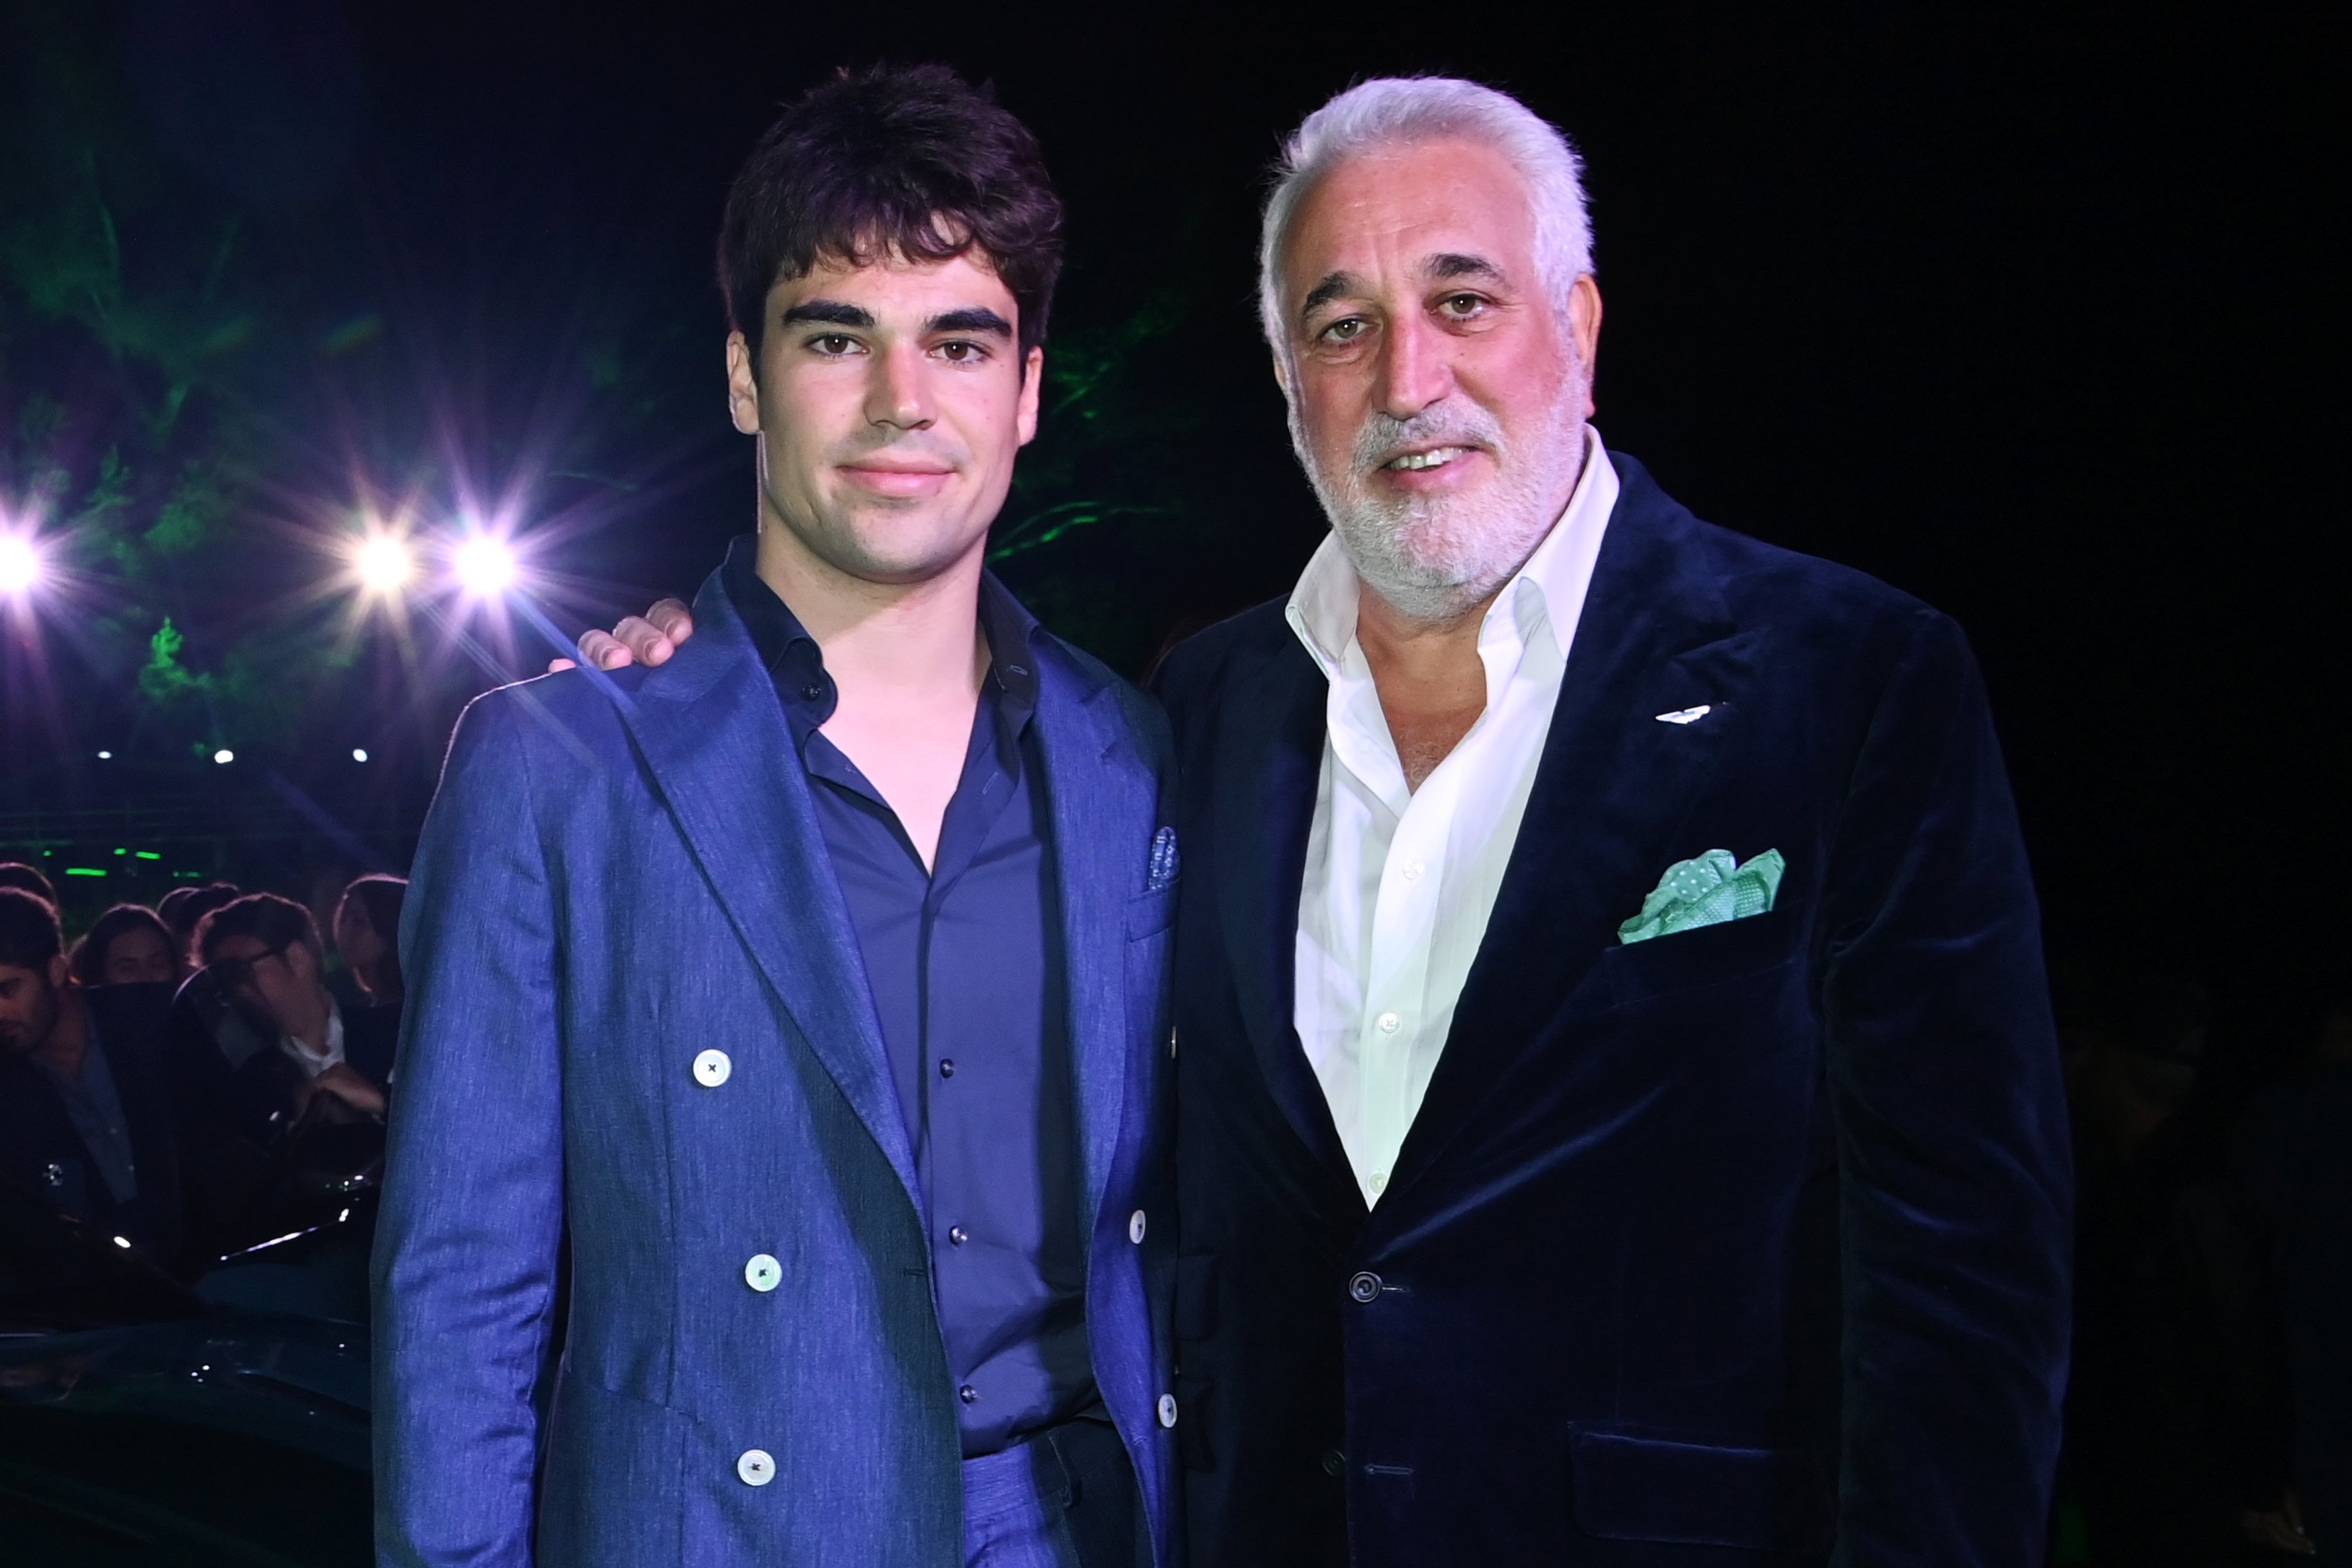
2035,314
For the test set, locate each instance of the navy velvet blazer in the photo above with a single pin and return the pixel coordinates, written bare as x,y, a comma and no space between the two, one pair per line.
1743,1241
619,875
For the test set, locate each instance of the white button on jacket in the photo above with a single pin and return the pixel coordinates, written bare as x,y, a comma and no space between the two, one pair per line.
757,1467
1135,1227
762,1273
711,1067
1168,1410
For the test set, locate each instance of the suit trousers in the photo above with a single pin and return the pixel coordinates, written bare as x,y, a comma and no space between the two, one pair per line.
1063,1497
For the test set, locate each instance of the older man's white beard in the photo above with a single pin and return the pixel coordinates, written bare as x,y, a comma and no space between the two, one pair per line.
1432,559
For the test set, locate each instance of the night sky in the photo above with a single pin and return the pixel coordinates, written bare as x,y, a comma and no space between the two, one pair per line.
2038,317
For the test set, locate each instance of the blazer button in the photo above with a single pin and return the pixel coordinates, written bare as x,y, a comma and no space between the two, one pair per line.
1135,1227
763,1273
711,1067
755,1468
1168,1410
1335,1463
1365,1288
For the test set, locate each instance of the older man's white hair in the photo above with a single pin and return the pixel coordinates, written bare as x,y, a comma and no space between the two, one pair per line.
1402,111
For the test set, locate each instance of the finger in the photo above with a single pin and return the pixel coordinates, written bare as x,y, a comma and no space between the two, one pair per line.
644,639
557,666
676,621
604,650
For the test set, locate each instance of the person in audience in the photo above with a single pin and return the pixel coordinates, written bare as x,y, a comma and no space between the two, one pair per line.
367,933
266,954
183,909
85,1122
2295,1150
16,873
2178,1424
128,945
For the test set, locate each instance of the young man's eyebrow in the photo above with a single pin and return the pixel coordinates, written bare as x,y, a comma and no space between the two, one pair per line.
1448,265
830,313
1323,293
970,319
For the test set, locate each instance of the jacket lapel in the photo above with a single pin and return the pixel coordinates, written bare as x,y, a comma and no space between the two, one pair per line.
1612,790
1267,775
709,729
1092,779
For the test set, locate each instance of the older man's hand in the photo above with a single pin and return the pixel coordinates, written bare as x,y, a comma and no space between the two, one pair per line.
648,639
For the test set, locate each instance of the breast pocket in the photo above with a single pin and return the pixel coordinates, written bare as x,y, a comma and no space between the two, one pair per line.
1692,959
1149,914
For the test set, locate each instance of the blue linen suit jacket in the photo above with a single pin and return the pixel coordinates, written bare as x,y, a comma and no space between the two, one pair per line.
620,873
1747,1244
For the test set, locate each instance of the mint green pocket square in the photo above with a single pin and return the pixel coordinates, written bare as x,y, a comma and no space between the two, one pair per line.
1706,891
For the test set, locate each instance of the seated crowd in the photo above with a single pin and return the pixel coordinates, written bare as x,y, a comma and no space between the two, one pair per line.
195,1078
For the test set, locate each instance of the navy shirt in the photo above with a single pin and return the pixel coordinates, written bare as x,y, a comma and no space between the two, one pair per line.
965,966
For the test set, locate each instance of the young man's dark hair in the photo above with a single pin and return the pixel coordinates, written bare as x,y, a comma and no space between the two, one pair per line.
29,937
904,160
183,909
277,923
16,873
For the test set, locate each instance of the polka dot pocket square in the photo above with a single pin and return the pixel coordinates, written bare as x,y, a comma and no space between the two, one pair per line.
1706,891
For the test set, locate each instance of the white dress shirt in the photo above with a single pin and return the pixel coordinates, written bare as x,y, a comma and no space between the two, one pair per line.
1400,883
312,1062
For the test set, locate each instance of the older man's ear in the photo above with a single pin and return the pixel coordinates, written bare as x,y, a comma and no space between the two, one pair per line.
648,639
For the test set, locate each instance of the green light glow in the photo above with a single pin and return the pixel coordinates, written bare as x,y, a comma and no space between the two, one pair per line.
84,871
147,855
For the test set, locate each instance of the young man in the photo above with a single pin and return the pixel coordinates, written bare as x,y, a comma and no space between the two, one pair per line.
812,984
1621,1118
84,1117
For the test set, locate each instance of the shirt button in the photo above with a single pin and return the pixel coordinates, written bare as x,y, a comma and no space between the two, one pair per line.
711,1067
812,691
756,1468
1168,1410
955,1235
1409,871
1389,1022
1365,1288
763,1273
947,1067
967,1393
1135,1227
1335,1463
1380,1183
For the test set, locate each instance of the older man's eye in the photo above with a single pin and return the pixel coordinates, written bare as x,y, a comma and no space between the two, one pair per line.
1462,306
1347,329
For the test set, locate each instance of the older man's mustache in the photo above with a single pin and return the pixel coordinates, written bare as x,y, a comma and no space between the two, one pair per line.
1384,438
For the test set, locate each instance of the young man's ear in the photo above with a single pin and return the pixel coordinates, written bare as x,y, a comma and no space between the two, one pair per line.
59,971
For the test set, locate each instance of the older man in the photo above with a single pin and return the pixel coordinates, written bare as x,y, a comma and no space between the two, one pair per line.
1619,1113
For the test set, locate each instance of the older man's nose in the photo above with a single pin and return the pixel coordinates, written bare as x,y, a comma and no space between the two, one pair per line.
1414,369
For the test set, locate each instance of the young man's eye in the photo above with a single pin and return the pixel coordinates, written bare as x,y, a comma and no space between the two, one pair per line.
962,351
833,346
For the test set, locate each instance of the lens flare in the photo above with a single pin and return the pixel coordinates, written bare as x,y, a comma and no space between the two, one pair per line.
485,565
20,564
384,564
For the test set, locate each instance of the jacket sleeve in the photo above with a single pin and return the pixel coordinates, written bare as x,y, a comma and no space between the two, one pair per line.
1952,1136
467,1242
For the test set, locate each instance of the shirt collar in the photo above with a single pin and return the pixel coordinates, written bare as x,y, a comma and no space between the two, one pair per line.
796,664
316,1062
1322,608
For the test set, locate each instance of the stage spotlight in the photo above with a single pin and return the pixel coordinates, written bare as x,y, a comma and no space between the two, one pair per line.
224,756
358,756
20,564
384,564
485,565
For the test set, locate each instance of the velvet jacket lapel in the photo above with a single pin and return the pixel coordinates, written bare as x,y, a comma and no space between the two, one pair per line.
1093,776
1265,786
1612,790
709,731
